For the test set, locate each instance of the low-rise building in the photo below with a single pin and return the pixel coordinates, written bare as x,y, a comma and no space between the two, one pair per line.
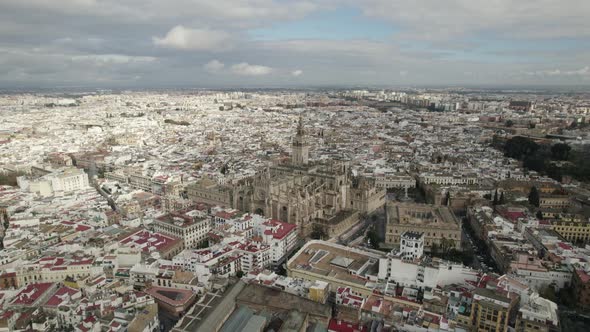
218,260
412,245
537,315
58,182
436,222
491,310
572,230
423,272
150,242
581,286
55,269
188,225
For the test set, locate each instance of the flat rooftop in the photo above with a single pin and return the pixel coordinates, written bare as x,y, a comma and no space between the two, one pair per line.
492,294
172,296
276,300
421,214
329,259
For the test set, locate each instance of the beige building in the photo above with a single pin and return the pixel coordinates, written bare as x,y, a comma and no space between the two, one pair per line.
436,222
191,228
208,191
55,269
573,229
554,201
339,224
491,310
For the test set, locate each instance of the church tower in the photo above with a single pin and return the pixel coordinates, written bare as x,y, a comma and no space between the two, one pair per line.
300,154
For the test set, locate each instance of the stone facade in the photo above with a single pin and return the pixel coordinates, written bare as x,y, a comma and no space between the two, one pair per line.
436,222
300,192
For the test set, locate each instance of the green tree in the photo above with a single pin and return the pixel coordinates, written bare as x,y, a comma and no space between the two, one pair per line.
9,178
240,274
318,232
519,147
534,196
535,161
495,201
509,123
549,293
560,151
446,245
224,169
373,238
434,249
539,215
567,297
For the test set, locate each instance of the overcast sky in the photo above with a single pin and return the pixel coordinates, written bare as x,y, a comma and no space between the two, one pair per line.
215,43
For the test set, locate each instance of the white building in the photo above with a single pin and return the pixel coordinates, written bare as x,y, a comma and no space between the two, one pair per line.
141,274
219,261
449,179
412,245
395,181
282,238
539,310
60,182
426,272
538,278
254,256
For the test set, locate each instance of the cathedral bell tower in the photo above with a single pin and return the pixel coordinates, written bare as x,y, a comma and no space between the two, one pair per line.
300,155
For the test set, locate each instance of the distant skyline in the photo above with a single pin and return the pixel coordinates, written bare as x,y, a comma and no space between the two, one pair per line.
283,43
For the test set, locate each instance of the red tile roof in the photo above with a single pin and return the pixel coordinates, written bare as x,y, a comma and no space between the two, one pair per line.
225,214
60,296
172,296
146,239
343,326
279,229
583,276
31,293
513,215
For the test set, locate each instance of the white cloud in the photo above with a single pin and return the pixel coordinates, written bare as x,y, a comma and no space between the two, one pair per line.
214,66
484,42
183,38
109,59
247,69
428,20
585,71
49,66
227,12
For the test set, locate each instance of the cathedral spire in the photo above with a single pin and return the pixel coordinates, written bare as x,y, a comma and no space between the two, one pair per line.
300,153
300,130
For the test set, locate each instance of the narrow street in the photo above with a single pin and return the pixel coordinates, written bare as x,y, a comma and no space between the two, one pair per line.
481,257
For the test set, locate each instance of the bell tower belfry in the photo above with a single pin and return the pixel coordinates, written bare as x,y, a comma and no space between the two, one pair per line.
300,154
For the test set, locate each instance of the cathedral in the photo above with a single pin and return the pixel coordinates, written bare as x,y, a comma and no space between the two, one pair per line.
305,193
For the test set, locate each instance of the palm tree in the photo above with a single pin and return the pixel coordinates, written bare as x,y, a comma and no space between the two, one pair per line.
446,245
